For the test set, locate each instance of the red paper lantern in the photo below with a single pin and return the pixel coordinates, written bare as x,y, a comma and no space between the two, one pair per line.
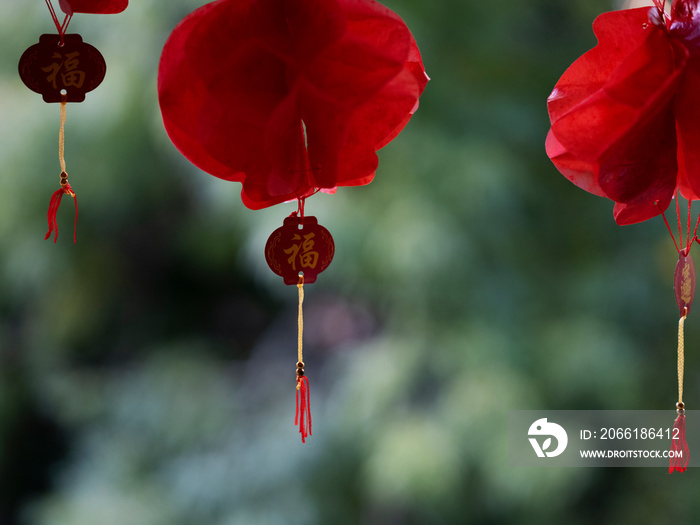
290,97
626,126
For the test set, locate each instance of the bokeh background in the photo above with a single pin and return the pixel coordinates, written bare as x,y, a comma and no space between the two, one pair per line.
147,372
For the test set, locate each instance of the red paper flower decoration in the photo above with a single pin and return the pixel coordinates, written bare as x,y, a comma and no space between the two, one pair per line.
288,96
625,116
101,7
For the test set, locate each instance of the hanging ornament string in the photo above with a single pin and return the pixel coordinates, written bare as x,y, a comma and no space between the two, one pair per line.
61,27
300,209
65,188
303,410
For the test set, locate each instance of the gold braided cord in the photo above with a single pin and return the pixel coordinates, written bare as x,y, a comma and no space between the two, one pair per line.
300,353
681,362
62,138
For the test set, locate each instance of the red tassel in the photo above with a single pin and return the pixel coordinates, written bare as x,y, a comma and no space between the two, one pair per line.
303,413
679,446
55,203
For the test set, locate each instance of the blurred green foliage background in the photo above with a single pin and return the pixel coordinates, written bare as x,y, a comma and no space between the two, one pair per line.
147,372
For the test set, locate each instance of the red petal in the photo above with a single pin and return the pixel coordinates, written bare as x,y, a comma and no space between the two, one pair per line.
590,115
583,174
103,7
247,86
640,174
357,92
618,33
